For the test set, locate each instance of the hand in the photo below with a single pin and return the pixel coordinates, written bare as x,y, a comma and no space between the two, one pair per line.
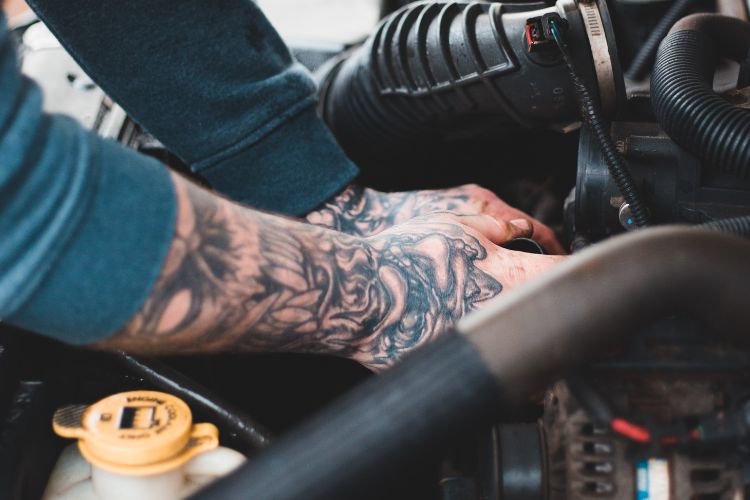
490,204
235,279
434,270
365,212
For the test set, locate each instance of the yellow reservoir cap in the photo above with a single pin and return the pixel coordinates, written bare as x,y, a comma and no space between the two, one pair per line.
136,433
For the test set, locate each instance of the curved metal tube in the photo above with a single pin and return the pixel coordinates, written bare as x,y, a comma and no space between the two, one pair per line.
515,346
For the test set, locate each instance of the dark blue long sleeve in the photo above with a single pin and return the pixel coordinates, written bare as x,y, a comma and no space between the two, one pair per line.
85,224
214,82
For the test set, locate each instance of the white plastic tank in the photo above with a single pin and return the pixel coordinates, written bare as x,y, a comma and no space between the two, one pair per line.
140,444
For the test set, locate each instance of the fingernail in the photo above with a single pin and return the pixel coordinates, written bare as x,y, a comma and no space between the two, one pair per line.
522,224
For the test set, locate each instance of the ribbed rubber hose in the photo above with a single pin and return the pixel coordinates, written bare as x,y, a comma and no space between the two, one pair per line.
404,80
437,67
682,91
738,226
645,57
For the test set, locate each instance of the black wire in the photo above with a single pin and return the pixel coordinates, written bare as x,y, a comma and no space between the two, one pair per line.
644,59
197,396
592,116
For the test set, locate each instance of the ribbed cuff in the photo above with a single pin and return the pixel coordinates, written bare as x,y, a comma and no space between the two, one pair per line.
109,267
292,170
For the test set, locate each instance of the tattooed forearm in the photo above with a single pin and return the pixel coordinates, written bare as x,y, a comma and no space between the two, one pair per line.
365,212
239,279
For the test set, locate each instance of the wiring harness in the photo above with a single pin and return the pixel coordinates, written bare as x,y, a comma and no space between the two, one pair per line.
717,430
556,28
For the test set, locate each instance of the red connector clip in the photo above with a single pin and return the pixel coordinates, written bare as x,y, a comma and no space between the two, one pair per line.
536,39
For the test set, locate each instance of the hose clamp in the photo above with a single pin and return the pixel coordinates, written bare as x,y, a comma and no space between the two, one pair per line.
592,20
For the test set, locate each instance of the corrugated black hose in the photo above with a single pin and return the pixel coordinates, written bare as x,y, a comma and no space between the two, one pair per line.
739,226
682,95
689,111
593,117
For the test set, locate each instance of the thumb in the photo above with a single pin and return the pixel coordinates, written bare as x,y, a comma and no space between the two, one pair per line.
498,231
519,228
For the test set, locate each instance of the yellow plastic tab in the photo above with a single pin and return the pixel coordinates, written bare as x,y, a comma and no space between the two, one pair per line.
136,433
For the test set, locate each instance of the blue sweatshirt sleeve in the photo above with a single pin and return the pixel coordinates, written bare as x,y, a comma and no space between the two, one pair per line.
85,224
215,83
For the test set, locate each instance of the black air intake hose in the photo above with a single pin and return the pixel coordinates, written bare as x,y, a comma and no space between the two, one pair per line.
433,69
681,90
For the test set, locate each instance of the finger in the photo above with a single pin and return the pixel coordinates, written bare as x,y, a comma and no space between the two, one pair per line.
519,228
542,234
498,231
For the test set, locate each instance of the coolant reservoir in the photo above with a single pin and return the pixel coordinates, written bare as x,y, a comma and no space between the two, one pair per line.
140,444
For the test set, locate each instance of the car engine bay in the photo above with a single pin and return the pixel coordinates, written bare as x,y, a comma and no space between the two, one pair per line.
604,119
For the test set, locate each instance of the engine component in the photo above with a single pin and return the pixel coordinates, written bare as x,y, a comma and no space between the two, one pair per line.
512,463
684,102
589,460
139,444
592,116
674,183
434,70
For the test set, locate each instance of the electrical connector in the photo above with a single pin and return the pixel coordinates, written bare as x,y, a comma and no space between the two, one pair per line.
537,38
560,24
538,34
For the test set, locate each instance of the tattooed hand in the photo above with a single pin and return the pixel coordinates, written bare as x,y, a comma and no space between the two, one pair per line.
438,269
237,279
365,212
